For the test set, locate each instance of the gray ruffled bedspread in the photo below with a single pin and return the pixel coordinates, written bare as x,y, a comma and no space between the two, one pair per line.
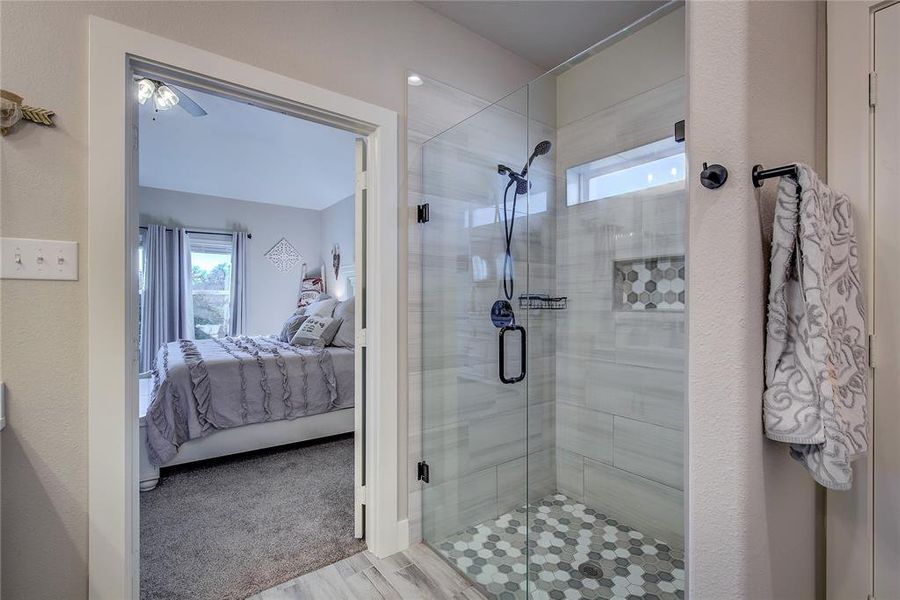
816,358
201,386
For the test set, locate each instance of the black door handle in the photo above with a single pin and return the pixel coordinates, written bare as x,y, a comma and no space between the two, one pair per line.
523,349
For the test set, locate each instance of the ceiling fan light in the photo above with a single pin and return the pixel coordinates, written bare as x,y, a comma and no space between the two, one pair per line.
165,98
145,89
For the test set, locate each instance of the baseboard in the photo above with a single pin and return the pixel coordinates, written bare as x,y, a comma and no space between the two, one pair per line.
403,534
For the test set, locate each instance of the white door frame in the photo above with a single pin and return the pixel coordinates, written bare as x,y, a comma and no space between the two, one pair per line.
112,349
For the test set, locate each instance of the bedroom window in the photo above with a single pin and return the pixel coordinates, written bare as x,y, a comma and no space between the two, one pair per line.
211,284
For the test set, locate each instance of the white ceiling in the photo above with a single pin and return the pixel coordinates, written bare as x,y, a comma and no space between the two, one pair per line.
544,33
245,152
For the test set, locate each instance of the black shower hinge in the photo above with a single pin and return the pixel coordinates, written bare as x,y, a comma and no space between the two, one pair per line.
422,471
423,213
679,131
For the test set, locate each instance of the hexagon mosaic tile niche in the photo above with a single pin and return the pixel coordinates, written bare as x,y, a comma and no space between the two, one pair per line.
649,284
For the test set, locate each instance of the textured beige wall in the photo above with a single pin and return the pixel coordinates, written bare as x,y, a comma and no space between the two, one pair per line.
359,49
754,526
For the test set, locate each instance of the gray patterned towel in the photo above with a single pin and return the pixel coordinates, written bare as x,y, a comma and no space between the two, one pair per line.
816,360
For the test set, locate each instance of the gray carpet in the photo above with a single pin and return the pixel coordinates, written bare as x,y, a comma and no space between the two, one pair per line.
232,527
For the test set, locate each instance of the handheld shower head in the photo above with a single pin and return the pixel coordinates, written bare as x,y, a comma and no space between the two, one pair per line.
541,149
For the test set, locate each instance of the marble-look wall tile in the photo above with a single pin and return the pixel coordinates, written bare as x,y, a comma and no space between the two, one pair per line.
512,485
452,506
585,432
649,450
570,474
640,393
651,507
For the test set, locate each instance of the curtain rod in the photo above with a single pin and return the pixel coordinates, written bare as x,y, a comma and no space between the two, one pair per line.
212,231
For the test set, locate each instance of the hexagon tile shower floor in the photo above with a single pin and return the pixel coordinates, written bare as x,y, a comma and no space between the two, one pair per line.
576,552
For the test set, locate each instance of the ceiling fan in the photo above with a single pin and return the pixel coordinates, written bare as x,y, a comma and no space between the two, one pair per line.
166,96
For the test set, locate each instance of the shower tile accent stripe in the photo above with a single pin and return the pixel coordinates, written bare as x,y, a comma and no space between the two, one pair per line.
565,535
650,284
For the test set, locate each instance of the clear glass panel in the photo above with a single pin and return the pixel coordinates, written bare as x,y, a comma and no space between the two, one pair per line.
474,425
606,372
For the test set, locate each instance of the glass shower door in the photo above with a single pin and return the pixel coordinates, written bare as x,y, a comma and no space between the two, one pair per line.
475,407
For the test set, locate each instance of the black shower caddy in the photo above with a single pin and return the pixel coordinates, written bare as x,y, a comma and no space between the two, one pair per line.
542,302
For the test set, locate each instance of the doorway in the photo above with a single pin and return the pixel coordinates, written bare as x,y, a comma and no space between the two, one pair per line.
247,323
113,336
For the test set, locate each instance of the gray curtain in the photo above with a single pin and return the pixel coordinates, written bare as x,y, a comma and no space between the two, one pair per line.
238,282
167,311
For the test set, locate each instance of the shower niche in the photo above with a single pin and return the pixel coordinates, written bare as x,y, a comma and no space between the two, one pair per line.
567,483
649,284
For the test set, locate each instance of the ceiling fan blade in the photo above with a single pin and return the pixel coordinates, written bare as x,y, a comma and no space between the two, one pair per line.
185,102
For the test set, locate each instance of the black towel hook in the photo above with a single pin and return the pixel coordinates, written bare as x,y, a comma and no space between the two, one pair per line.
713,176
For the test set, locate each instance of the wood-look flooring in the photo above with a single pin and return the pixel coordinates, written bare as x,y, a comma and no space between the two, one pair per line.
414,574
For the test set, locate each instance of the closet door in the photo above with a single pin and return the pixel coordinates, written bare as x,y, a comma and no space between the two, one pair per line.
886,342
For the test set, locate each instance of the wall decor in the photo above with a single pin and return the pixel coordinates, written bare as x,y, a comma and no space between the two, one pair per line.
649,284
283,255
336,259
13,109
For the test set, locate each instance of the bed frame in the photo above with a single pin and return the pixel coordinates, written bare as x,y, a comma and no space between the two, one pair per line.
245,439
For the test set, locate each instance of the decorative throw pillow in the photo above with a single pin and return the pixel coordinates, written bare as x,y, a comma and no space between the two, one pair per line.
323,307
291,326
316,331
346,334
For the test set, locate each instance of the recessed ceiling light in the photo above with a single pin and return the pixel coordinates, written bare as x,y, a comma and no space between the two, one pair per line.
415,80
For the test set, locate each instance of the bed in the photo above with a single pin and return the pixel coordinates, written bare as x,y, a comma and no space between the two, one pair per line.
215,397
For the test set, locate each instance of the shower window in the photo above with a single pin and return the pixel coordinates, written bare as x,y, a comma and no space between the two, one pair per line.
653,165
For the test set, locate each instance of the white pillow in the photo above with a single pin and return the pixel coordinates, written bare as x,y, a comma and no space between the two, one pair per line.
316,331
346,334
321,308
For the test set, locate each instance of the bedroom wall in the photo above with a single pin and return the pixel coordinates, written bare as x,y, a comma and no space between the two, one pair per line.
338,227
360,49
271,294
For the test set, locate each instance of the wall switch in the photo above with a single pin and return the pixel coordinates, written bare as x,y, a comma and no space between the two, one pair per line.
38,259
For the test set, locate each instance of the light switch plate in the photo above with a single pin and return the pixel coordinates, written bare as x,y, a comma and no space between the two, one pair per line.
38,259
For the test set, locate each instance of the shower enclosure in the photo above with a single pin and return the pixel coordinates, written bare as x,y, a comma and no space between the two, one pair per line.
553,438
